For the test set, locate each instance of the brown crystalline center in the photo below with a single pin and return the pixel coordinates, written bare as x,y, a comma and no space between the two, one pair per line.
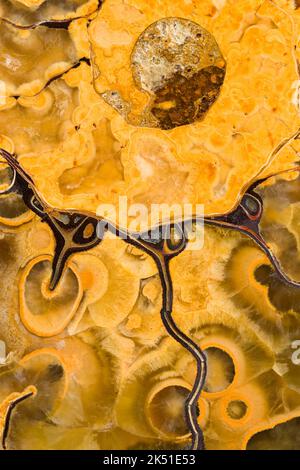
181,66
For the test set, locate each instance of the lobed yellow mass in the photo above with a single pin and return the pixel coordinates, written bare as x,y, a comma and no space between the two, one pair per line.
161,101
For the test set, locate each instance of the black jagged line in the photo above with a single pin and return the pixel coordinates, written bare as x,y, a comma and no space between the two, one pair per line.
162,263
77,64
191,404
162,258
11,407
55,24
51,23
153,250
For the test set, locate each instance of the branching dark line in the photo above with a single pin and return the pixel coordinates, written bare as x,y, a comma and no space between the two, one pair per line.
262,245
191,405
69,230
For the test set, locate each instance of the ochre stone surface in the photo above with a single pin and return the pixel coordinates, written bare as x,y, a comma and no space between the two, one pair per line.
98,110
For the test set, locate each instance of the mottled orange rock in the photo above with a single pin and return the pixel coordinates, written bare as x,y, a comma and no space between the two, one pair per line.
160,102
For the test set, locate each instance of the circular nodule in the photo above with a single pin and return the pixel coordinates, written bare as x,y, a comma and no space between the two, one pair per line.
221,370
251,204
180,65
166,411
43,312
237,409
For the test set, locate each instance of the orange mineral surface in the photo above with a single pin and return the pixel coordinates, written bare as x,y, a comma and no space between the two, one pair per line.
149,102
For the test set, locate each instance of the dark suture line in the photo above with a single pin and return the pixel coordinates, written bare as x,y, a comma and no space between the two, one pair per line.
55,24
85,60
62,253
262,245
51,23
191,404
162,255
69,227
248,224
11,407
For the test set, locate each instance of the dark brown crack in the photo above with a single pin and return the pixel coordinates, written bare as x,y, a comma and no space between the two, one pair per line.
186,100
72,59
51,23
58,76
